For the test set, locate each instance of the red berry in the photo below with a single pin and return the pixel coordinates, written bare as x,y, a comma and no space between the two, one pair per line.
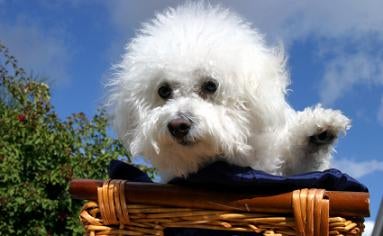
21,118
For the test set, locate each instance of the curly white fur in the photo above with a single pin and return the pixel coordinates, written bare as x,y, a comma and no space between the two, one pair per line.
247,121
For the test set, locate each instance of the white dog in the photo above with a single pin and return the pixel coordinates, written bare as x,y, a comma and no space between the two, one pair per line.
198,84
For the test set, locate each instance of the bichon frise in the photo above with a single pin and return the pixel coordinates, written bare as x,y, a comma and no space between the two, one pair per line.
198,84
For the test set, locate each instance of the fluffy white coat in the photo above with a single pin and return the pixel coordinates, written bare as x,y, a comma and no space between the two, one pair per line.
246,121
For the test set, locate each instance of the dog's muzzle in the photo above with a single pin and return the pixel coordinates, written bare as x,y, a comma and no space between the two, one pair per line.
179,128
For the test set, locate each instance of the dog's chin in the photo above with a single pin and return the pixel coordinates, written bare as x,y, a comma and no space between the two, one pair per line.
186,142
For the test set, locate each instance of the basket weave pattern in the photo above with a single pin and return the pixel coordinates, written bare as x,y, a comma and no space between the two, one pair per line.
113,216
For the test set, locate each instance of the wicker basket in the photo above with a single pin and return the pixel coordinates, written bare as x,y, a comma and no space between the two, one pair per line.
118,207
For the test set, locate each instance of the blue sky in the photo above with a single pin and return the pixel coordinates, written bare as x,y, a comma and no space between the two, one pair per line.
335,52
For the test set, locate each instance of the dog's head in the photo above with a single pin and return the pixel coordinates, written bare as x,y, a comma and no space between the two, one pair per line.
196,83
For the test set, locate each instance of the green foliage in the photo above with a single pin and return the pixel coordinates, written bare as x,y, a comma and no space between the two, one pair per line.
40,154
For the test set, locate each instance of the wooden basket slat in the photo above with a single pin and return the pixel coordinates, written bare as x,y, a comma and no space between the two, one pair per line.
150,208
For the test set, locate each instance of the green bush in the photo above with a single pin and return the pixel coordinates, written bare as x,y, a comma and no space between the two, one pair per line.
40,154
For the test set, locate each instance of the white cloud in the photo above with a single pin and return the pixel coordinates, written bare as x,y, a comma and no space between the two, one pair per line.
346,71
350,36
358,169
290,20
369,226
296,20
37,48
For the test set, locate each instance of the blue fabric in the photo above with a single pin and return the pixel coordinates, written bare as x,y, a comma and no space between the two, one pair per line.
225,177
221,175
121,170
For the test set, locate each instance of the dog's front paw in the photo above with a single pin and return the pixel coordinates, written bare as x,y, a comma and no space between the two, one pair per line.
311,137
324,125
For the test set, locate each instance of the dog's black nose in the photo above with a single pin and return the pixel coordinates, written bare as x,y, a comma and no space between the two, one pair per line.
179,127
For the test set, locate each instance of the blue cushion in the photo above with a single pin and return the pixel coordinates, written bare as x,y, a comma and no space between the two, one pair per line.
121,170
223,176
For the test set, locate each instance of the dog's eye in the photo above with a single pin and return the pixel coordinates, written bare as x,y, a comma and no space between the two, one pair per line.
210,86
165,91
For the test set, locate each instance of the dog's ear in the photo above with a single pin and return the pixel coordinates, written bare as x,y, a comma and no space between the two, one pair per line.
120,103
123,117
